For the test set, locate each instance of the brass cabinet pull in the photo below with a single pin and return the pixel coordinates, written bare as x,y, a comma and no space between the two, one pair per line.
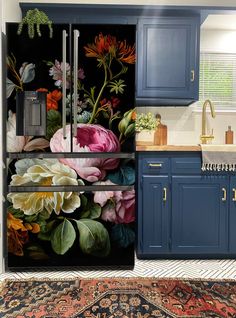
164,194
192,76
157,165
224,194
234,194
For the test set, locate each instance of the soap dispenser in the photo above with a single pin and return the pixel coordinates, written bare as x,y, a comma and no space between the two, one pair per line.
229,136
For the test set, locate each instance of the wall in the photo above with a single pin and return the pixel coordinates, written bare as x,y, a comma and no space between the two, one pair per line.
221,41
184,123
10,12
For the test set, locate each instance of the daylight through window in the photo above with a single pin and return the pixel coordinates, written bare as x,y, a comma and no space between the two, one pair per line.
218,79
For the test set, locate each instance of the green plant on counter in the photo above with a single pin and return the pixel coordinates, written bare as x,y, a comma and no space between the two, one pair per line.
145,122
34,18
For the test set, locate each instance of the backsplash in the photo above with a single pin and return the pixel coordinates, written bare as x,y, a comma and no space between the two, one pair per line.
184,124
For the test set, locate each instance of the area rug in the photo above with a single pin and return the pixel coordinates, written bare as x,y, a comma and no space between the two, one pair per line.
118,298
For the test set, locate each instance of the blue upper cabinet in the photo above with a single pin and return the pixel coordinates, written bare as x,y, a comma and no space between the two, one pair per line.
167,70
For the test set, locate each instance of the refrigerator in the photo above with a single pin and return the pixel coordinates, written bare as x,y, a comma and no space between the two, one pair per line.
69,147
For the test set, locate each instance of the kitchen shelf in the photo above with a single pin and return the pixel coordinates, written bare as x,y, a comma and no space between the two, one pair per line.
69,188
41,155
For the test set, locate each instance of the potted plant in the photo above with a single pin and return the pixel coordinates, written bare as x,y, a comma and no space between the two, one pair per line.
145,126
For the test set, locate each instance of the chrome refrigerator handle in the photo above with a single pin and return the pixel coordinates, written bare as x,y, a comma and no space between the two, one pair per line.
64,35
76,36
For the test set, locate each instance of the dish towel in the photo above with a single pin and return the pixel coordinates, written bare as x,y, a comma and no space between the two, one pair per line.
218,157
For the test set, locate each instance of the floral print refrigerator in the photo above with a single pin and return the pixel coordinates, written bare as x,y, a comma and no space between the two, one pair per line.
70,120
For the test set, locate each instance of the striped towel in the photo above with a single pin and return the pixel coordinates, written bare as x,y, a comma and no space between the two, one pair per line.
218,157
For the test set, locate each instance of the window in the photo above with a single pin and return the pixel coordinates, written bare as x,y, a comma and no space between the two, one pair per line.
218,79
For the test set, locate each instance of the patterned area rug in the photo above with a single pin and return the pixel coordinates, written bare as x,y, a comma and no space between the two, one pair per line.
118,298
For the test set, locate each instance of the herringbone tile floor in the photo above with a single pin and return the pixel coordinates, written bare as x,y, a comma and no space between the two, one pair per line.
214,269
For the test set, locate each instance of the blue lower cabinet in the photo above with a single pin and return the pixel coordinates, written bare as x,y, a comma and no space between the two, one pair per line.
182,211
199,215
232,215
154,213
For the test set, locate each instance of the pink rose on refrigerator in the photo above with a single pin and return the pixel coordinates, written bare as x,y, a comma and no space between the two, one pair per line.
90,138
109,213
101,197
125,208
118,206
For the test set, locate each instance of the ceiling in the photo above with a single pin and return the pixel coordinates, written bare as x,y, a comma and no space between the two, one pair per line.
220,21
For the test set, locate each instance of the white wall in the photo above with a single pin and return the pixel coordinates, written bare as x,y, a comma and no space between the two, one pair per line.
10,12
220,41
184,124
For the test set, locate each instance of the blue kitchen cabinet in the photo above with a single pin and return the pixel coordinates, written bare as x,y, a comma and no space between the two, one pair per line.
167,69
232,215
199,214
155,215
197,219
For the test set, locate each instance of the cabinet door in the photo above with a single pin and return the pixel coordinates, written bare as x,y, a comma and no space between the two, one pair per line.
199,214
154,215
167,60
232,215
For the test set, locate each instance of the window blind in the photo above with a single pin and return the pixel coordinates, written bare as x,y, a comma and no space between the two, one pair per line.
218,78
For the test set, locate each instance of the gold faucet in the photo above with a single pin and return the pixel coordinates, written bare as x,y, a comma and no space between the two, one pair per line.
204,137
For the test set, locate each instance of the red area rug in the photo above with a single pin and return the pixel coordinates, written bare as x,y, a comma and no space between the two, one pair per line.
118,298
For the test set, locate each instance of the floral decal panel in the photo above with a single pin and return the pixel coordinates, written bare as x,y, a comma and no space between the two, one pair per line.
105,95
41,224
61,225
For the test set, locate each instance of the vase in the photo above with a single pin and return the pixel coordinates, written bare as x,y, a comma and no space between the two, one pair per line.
145,136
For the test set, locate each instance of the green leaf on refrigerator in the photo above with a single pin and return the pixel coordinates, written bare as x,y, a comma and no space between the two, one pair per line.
84,201
63,237
92,211
129,132
123,235
124,176
54,122
18,214
46,230
94,238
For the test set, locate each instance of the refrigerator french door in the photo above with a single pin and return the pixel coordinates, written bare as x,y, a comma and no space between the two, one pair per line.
70,121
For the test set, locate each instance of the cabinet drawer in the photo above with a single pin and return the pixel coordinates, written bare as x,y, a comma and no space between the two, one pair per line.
155,166
186,165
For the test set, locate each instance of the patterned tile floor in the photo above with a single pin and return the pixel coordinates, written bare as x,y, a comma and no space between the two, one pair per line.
214,269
